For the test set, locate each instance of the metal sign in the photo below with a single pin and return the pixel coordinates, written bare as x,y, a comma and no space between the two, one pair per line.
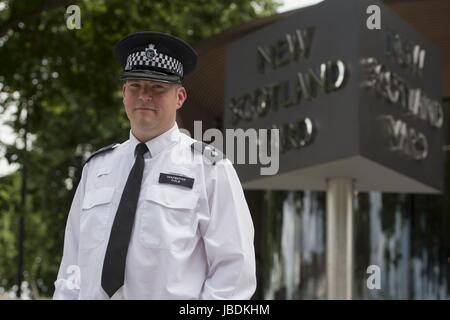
348,101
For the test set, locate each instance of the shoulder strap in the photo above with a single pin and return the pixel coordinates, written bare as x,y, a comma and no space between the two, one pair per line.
208,151
102,150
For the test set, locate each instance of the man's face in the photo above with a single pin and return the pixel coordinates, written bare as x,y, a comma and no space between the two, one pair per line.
151,105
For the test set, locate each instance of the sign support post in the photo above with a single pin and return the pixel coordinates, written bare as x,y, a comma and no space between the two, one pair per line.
339,238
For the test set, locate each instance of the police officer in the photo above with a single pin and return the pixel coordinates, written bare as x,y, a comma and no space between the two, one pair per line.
160,216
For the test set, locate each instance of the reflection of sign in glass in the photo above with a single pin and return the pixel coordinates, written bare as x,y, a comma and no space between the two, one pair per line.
405,53
404,139
393,89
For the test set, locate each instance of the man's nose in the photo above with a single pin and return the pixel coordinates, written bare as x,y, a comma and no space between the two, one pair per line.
145,94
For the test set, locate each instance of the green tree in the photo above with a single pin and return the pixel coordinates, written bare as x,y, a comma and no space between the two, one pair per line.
64,90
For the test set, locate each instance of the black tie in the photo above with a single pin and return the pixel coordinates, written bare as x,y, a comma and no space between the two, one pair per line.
113,273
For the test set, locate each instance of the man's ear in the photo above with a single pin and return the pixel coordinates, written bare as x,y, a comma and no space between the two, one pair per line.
181,96
123,89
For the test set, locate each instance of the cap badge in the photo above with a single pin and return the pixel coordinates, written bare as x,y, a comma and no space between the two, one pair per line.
150,52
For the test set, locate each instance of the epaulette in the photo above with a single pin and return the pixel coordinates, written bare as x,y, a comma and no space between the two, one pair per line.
208,151
112,146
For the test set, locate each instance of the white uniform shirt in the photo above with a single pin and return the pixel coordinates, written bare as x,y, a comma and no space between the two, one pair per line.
186,243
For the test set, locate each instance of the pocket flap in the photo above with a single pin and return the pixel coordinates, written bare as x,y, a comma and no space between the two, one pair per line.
104,170
172,198
98,196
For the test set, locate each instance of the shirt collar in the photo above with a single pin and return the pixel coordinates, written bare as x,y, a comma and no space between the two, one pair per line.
159,143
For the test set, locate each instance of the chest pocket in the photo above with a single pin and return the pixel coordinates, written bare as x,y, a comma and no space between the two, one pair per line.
96,208
168,217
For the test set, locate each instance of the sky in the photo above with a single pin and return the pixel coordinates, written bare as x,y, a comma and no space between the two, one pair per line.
7,136
294,4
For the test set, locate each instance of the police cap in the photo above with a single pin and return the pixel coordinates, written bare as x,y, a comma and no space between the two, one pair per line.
155,56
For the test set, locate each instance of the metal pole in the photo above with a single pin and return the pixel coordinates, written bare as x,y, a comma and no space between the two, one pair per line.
340,238
21,235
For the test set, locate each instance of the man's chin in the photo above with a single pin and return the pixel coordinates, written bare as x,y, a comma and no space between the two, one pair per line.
147,125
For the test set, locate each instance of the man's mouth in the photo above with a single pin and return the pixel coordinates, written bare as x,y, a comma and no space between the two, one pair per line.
144,109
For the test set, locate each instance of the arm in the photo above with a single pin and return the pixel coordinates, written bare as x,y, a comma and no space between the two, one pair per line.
68,282
228,238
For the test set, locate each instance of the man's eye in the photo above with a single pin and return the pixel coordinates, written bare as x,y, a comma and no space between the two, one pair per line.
135,85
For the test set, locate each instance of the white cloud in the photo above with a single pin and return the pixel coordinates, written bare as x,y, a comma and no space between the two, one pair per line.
295,4
7,136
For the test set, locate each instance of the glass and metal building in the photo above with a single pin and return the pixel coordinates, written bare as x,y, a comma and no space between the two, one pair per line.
403,238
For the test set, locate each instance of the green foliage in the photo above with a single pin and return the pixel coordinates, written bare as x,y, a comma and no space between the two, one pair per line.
66,83
9,207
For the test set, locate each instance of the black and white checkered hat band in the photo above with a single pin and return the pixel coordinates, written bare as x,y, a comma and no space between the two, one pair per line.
160,60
